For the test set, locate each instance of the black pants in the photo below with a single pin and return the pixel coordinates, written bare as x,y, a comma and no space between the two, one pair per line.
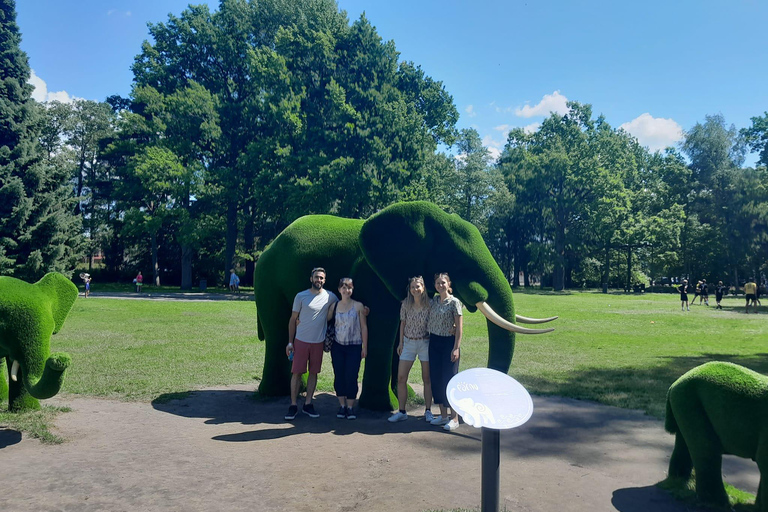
441,368
346,367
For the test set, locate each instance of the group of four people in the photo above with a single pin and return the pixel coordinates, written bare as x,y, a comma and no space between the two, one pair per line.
429,329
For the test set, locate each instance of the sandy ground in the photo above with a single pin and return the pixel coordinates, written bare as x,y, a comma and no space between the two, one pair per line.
219,449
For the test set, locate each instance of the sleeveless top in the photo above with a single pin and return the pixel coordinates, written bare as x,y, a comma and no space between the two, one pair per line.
348,328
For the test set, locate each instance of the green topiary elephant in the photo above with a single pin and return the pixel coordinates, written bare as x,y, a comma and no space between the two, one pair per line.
713,409
380,254
29,314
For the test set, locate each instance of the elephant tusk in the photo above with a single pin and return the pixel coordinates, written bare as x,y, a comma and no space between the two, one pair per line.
14,371
494,317
525,320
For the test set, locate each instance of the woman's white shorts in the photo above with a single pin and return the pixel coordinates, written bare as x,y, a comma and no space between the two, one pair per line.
413,348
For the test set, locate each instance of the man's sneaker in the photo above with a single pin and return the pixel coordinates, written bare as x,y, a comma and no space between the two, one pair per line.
342,412
440,421
428,416
452,425
351,414
292,410
309,410
398,416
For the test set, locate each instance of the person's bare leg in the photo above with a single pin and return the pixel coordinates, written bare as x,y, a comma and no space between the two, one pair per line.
295,384
403,369
427,379
311,385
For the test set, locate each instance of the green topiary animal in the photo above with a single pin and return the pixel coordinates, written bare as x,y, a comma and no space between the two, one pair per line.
713,409
29,314
380,254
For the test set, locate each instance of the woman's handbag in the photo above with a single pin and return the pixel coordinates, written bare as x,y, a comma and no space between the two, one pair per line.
330,331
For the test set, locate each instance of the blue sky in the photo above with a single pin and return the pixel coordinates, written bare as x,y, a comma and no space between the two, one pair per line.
654,67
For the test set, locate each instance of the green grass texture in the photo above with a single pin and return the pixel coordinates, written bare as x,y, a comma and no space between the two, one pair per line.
616,349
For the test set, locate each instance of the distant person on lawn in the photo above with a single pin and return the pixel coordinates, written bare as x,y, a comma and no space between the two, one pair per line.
750,291
719,291
704,293
139,282
306,333
234,281
683,290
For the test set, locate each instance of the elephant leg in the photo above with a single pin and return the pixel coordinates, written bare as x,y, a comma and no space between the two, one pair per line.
761,504
3,384
383,322
276,375
19,398
680,463
707,455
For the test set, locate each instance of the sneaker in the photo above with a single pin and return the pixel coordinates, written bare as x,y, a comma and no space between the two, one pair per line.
292,410
351,415
428,416
342,412
439,421
309,410
398,416
452,425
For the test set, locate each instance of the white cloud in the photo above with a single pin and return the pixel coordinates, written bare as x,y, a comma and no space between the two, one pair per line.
530,128
40,90
119,13
655,132
494,146
554,102
502,128
470,110
41,94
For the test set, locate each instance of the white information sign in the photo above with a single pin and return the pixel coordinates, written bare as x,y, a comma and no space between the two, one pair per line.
489,398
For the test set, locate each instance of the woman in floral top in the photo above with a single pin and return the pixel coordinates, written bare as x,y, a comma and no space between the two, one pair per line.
414,341
445,328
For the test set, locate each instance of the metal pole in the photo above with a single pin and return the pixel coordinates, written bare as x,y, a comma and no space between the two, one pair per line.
490,471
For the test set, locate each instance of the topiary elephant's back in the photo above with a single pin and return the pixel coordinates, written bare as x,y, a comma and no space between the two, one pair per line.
311,241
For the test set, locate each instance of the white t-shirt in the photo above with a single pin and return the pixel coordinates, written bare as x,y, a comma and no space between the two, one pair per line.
312,310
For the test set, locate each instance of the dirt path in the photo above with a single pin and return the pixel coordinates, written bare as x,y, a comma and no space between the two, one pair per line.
221,450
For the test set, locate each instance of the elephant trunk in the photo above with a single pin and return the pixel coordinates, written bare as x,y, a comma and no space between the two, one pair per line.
48,382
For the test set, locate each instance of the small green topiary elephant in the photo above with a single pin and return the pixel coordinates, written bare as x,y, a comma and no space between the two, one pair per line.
714,409
29,314
380,254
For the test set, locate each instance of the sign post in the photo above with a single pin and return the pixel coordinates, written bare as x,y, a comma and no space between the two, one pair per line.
492,401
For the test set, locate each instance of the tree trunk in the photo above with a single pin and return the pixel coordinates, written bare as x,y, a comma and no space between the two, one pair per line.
607,268
155,266
229,253
558,279
186,267
249,239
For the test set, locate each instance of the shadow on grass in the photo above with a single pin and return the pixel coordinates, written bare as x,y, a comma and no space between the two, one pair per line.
643,388
247,408
9,437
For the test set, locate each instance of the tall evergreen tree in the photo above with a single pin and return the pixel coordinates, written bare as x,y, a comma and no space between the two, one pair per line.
38,230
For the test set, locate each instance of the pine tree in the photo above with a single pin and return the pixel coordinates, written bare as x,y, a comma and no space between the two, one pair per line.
38,229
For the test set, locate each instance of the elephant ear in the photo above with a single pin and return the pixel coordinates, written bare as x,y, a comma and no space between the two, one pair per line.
62,293
396,243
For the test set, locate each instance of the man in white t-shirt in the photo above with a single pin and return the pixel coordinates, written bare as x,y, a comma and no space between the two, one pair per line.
305,340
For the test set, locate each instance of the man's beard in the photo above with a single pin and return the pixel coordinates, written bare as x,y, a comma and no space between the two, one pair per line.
317,286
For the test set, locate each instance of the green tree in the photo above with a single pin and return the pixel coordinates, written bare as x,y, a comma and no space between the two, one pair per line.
756,137
38,231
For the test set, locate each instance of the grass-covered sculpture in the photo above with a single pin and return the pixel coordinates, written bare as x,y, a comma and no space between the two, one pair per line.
380,254
715,409
29,314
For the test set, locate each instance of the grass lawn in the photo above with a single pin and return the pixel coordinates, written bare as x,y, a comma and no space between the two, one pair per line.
622,350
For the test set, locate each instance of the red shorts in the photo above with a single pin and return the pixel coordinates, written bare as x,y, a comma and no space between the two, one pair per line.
307,352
